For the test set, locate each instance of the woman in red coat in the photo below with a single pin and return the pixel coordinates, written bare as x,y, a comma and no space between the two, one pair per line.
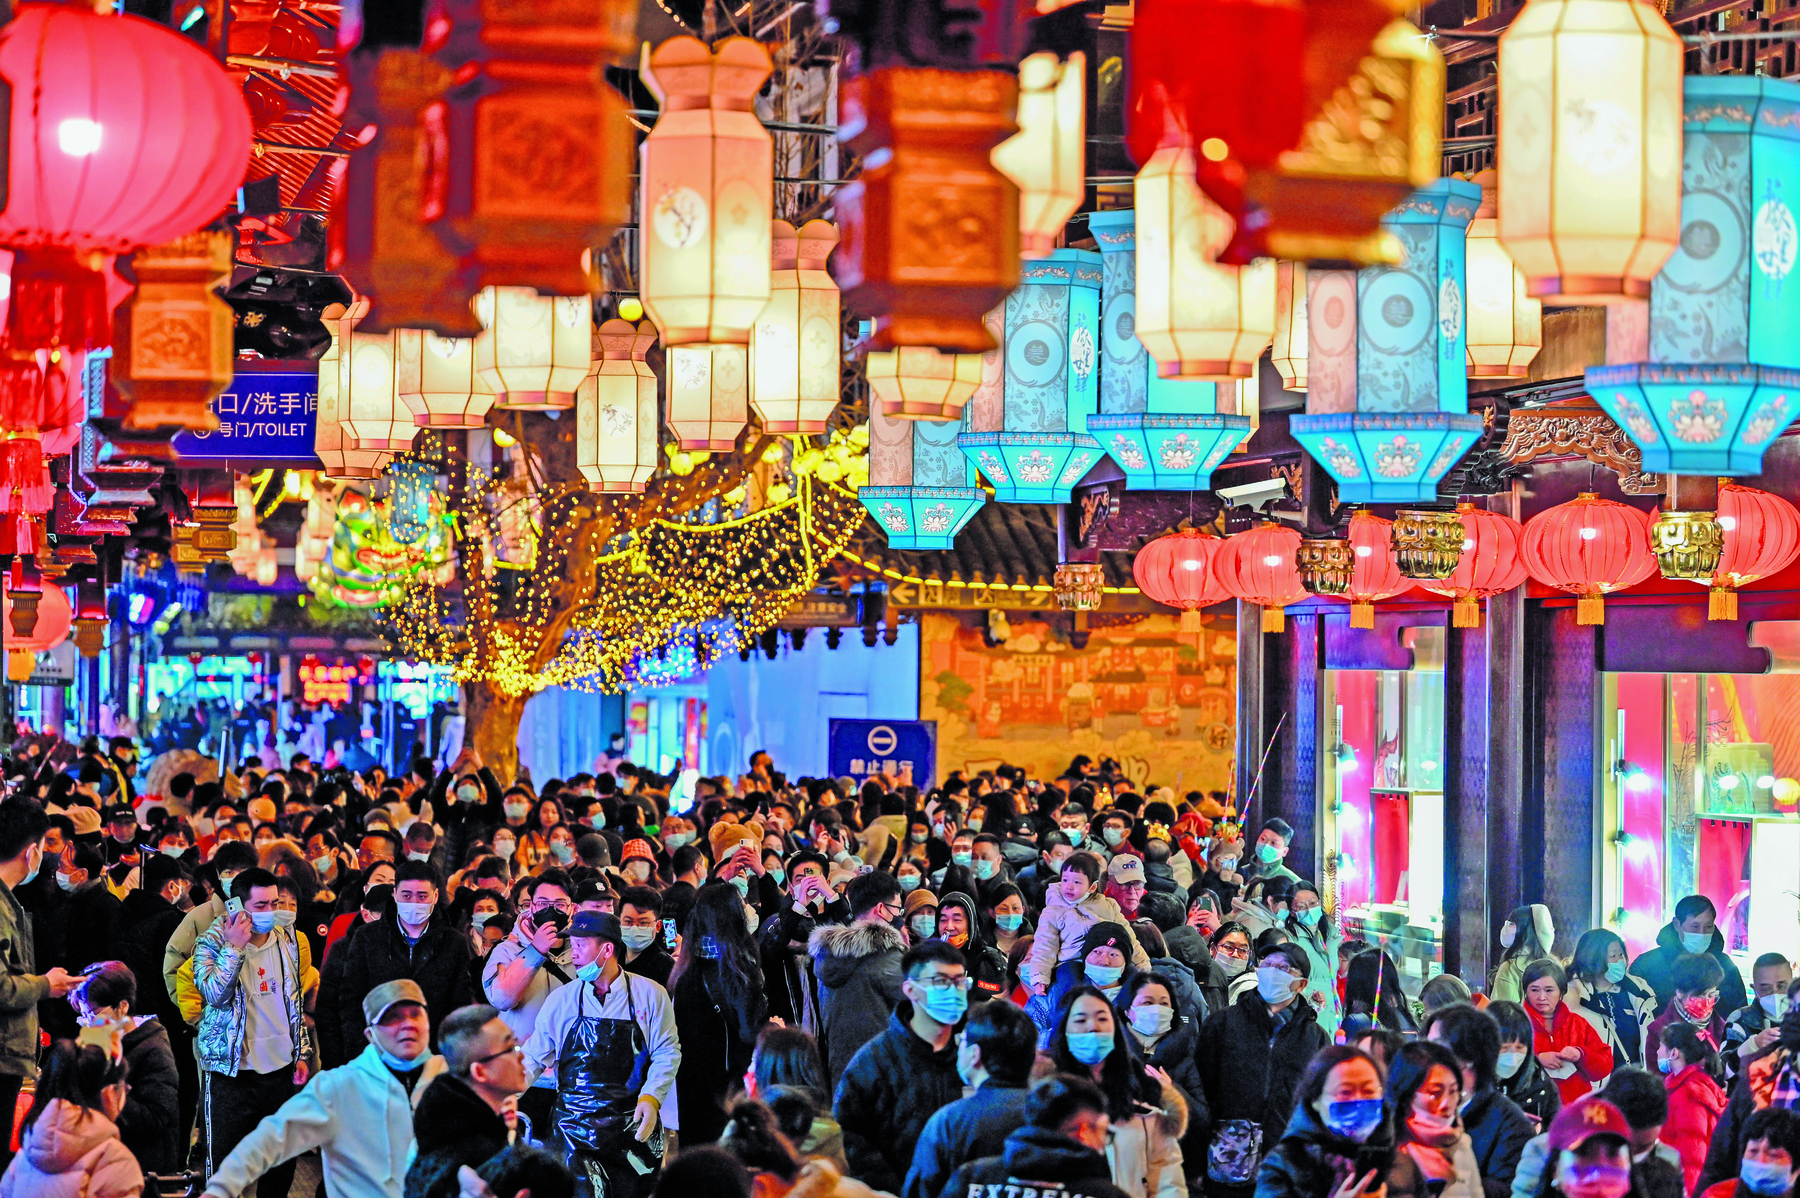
1696,1100
1566,1044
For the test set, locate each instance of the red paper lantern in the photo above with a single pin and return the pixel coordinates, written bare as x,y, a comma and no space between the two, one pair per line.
1589,547
1374,574
1177,570
1258,567
54,618
1490,564
1761,535
123,134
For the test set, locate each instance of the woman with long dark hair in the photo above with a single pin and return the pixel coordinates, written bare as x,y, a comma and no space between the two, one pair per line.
1149,1115
717,990
1435,1156
1340,1142
1600,983
1372,996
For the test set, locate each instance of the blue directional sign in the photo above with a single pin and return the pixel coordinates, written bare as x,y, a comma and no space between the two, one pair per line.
264,416
863,748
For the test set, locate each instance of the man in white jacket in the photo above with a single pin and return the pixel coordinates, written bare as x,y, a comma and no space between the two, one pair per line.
359,1115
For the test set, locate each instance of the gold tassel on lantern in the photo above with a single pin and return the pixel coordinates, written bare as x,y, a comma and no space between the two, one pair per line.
1274,619
1192,621
1590,609
1721,604
1465,612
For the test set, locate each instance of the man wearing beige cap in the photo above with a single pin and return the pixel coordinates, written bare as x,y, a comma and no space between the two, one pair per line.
359,1115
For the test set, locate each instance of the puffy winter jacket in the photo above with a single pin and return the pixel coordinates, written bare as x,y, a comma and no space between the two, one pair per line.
1657,967
438,961
1569,1029
1174,1055
1060,930
858,969
964,1131
216,964
1041,1160
890,1090
1310,1161
1249,1067
72,1152
147,1125
1498,1132
1695,1103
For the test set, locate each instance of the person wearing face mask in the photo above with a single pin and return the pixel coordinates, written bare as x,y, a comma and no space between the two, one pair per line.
1222,877
640,919
857,966
411,941
1771,1161
717,992
1694,929
1228,950
1527,935
637,863
1073,905
1696,1100
1589,1153
1434,1157
988,864
960,928
1340,1142
1148,1113
1301,914
1601,986
1060,1152
150,917
994,1054
148,1123
782,938
675,832
1252,1054
1755,1028
610,1042
227,863
1006,918
69,1143
919,916
1498,1129
1770,1078
1518,1073
1162,1036
1697,980
895,1082
1102,964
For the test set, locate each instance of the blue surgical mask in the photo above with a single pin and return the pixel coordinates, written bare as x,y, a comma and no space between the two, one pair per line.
1009,923
909,883
1274,983
675,840
1268,854
1509,1064
919,837
480,918
946,1004
589,972
742,883
1090,1048
286,919
562,852
34,869
170,850
1761,1177
1114,835
1309,916
1696,942
1355,1120
924,926
963,859
778,876
262,921
986,868
468,794
1103,976
638,939
1615,971
399,1064
63,880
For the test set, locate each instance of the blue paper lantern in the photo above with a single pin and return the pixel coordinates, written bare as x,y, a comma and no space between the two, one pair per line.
1387,402
921,490
1723,379
1026,427
1165,434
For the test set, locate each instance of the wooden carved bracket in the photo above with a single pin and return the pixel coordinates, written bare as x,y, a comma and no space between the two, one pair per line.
1578,428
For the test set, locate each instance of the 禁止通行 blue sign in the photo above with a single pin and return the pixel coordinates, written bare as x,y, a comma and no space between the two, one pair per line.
263,416
864,748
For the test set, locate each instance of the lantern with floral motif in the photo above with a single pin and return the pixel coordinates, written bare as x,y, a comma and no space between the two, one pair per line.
1177,570
533,350
1589,547
435,377
1166,434
1491,564
921,489
1723,376
1387,399
794,350
1026,431
1259,567
709,398
707,192
616,424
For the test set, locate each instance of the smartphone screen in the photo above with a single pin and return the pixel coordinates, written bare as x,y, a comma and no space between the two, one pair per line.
669,934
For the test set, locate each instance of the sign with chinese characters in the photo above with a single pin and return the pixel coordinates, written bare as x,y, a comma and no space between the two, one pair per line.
906,749
265,415
56,667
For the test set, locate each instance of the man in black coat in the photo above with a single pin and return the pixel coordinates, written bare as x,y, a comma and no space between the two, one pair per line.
147,919
1693,930
410,941
1060,1152
457,1120
898,1080
858,969
1253,1052
1497,1128
998,1049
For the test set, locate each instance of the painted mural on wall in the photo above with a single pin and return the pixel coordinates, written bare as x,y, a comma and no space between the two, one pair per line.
1161,702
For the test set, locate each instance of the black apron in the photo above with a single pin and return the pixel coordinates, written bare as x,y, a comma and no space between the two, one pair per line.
600,1069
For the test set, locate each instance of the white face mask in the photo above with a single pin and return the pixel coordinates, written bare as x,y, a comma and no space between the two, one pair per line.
1508,934
1152,1019
1773,1005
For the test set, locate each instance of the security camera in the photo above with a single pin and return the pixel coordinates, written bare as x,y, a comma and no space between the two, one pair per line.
1255,496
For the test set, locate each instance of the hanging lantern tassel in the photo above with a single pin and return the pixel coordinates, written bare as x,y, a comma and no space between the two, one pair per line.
1721,604
1465,612
24,482
58,301
1362,615
1274,619
1192,622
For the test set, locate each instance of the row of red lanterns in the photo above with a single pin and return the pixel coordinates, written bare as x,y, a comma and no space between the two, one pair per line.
1589,547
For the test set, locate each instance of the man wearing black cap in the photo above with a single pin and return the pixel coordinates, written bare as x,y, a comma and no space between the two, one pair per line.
121,835
610,1037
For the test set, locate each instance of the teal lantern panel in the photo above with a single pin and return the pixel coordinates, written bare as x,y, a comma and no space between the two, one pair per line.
921,488
1387,405
1165,434
1030,440
1719,383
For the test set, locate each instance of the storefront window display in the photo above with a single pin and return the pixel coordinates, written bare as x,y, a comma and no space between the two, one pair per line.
1383,778
1701,782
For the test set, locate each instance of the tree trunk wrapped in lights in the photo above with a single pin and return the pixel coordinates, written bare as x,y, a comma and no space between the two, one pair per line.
533,350
528,154
172,348
795,351
931,226
435,377
616,425
707,192
1047,157
709,398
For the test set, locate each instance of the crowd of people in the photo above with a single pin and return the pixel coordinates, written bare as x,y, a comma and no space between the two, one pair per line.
450,985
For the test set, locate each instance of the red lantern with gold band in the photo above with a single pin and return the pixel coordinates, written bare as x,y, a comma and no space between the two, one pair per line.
1589,547
1258,567
1374,574
1177,570
1761,536
1490,564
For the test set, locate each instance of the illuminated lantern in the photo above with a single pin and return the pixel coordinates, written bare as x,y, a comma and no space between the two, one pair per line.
435,377
533,350
528,155
172,348
931,225
1723,376
616,422
921,489
1166,434
1199,318
1590,147
916,382
709,397
1028,433
1506,326
1287,352
1761,536
338,456
1490,564
794,351
54,620
25,487
1589,547
123,134
1370,573
375,236
708,192
1047,157
1258,567
369,408
1387,399
1177,570
90,618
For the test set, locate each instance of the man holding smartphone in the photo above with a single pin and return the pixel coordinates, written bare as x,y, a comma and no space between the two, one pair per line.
782,940
527,967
